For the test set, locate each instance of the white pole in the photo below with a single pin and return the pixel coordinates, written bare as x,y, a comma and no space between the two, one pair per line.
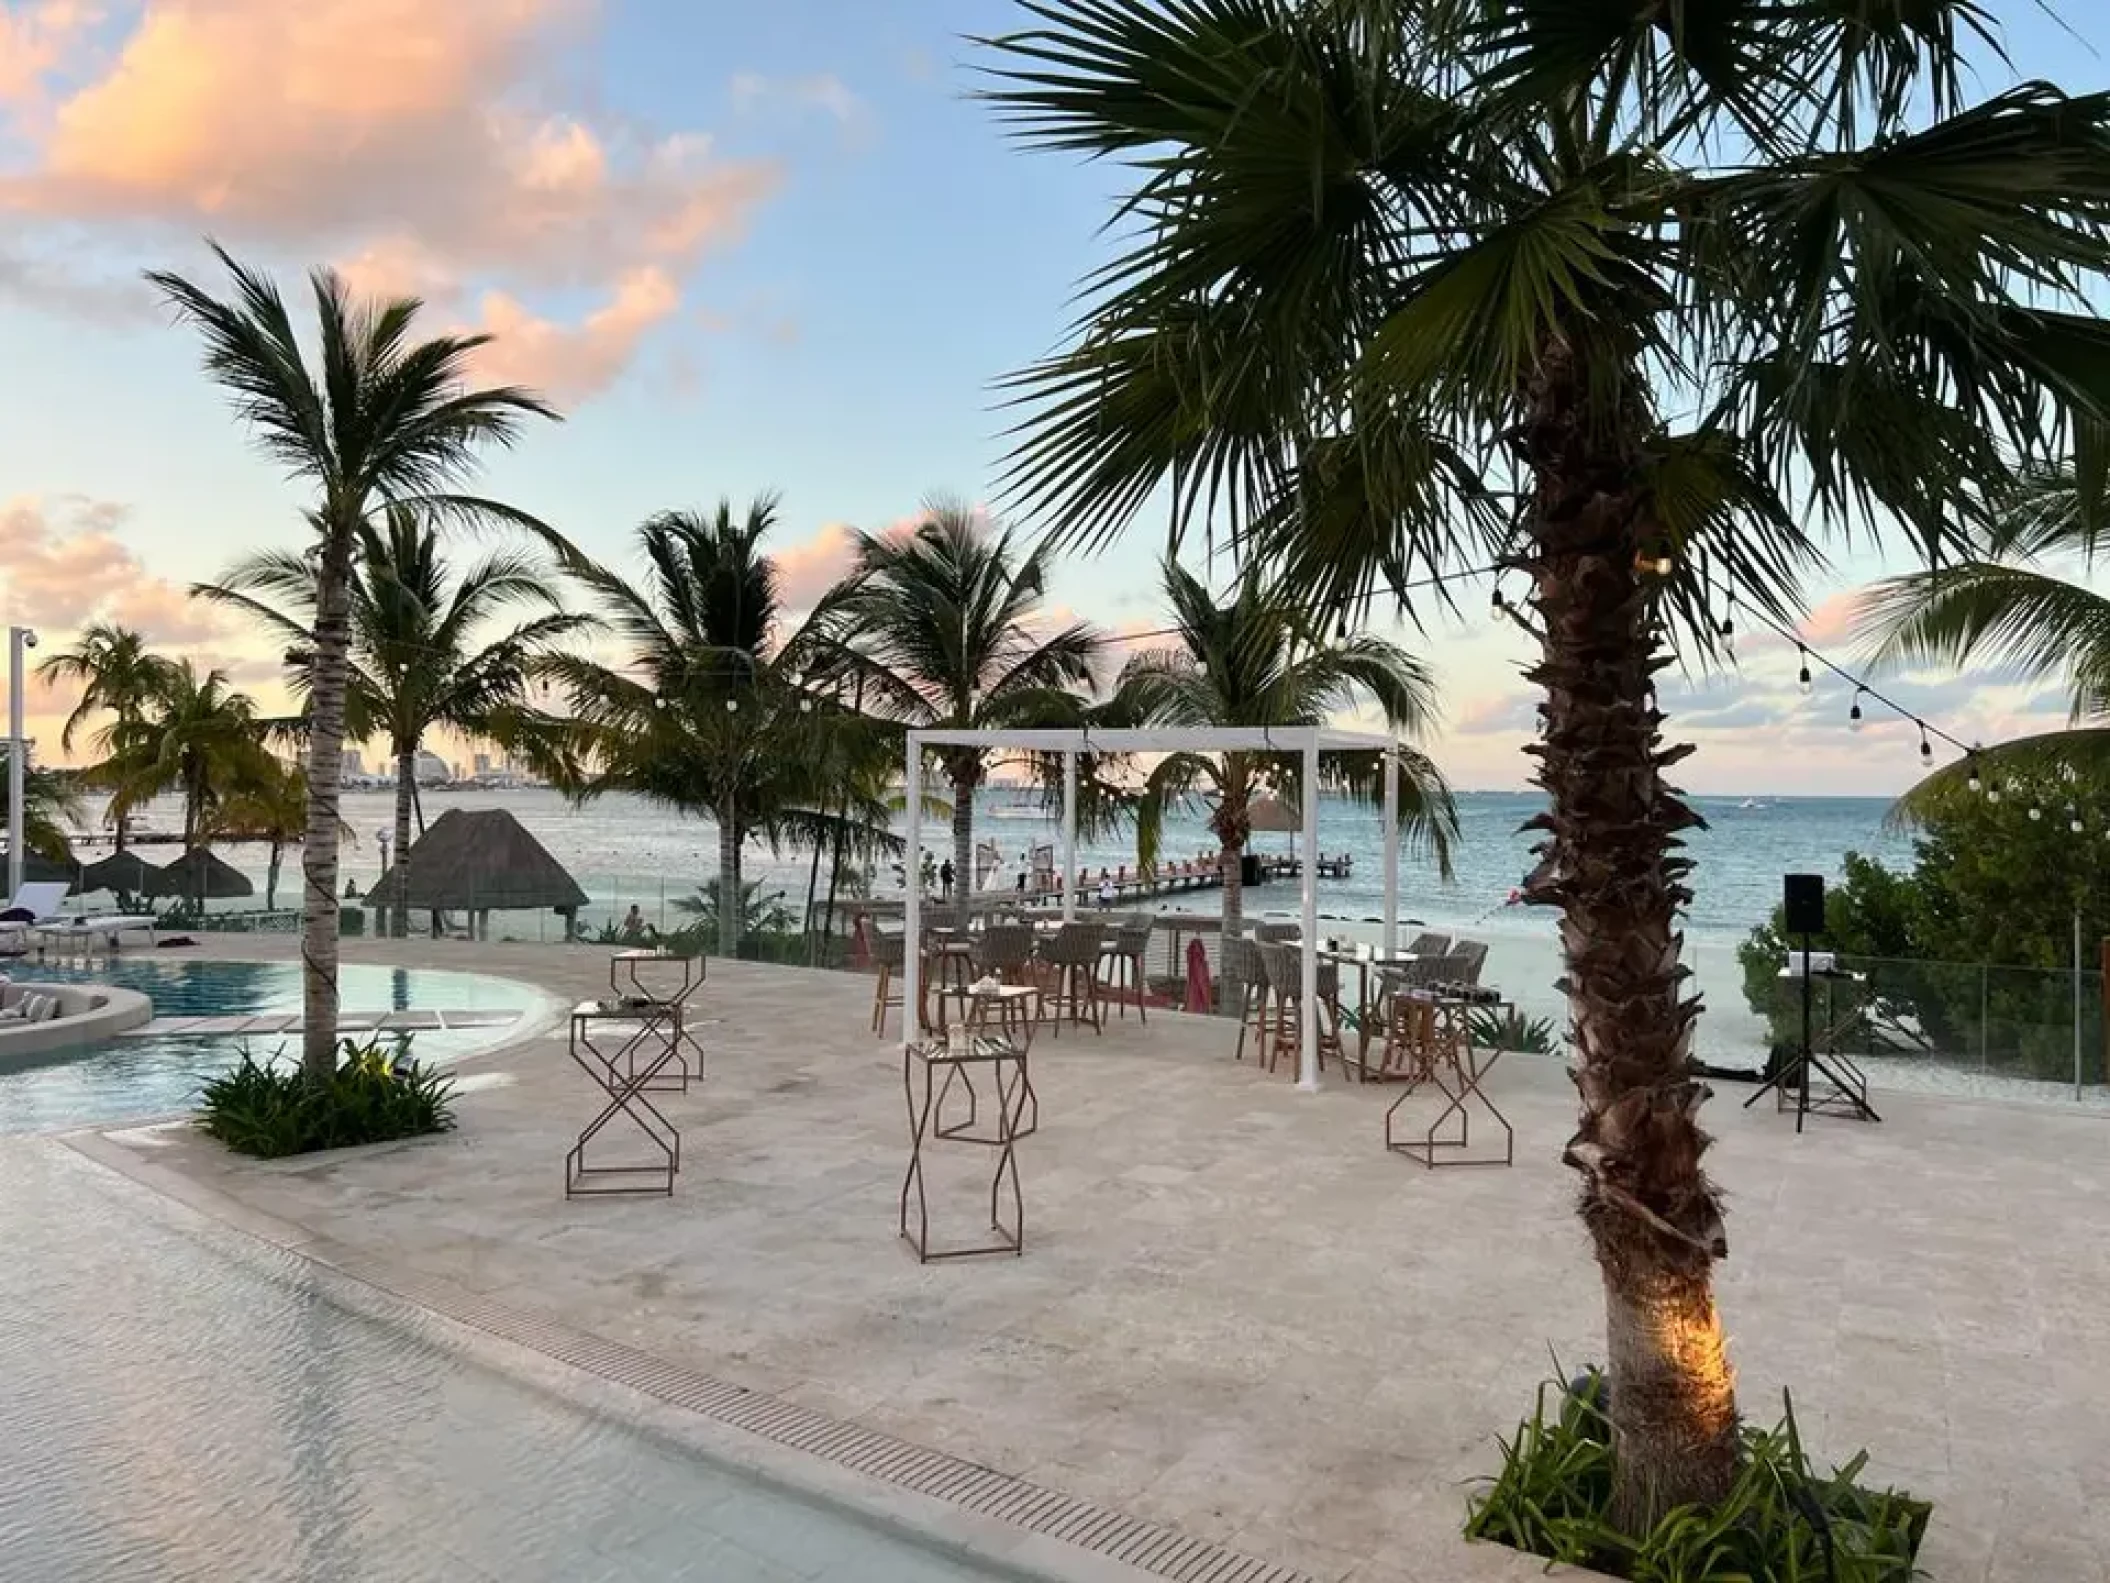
18,639
912,909
1308,1027
1391,850
1069,834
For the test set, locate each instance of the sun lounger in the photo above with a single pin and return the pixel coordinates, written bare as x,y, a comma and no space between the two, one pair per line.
109,926
34,905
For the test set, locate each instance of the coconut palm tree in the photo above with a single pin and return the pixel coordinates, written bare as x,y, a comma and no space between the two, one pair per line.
2008,604
710,712
200,738
272,808
375,417
943,622
51,803
118,676
1633,302
423,657
1256,658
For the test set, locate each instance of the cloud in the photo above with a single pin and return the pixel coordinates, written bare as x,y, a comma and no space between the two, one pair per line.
810,568
402,138
66,564
34,38
822,91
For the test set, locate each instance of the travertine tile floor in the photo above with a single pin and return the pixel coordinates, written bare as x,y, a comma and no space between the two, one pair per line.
1236,1313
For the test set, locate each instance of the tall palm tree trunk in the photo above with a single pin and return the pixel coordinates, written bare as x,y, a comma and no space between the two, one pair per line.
730,901
406,793
1612,866
1230,863
318,853
278,855
963,784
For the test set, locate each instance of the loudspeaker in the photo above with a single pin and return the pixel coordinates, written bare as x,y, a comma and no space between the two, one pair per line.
1802,903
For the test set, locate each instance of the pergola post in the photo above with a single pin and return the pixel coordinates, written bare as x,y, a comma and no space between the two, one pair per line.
1308,1025
912,908
1069,834
1391,851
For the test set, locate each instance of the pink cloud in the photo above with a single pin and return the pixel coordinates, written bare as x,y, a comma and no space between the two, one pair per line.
393,136
62,570
810,568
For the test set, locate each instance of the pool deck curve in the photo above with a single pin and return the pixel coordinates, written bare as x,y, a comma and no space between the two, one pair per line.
1239,1325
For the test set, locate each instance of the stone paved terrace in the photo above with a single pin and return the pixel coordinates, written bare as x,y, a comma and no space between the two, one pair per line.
1236,1314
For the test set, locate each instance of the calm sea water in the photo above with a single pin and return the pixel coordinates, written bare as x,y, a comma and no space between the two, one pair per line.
624,851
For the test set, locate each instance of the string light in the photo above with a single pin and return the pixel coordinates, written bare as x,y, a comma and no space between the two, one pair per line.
1853,715
1500,602
2073,819
1992,792
2035,813
1926,747
1974,783
1661,565
1802,677
732,706
805,706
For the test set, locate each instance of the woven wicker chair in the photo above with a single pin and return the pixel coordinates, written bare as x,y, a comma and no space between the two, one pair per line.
1285,982
1245,977
1429,945
889,955
1466,962
1416,1038
1073,954
1005,951
1124,958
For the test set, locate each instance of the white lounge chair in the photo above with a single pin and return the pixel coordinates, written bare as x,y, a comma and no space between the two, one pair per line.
111,927
34,905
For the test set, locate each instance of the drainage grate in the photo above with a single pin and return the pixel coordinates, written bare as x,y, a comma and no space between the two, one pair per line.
1147,1546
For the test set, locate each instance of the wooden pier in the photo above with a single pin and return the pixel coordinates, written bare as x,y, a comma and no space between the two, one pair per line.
1044,891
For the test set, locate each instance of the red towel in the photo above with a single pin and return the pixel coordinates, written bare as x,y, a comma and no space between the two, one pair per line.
1201,996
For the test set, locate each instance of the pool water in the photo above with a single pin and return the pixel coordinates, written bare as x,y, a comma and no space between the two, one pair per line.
155,1073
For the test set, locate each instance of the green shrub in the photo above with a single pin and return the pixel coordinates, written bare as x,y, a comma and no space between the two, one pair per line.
1780,1524
1511,1030
377,1094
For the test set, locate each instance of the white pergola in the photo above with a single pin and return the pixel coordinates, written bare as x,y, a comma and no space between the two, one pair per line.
1310,741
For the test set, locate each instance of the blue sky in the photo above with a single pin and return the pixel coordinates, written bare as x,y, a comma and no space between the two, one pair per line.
868,256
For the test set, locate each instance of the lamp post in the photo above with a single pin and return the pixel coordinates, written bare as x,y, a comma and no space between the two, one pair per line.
19,641
382,838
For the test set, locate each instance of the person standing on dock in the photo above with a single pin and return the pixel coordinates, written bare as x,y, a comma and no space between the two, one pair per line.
945,878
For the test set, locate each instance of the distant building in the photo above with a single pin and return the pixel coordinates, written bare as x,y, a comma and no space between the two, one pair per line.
430,768
354,765
480,766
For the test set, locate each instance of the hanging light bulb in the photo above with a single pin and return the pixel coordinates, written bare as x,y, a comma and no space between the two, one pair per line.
1802,677
1853,715
1201,667
805,706
1992,792
2073,819
1499,602
1659,564
1973,782
1926,747
732,706
2035,813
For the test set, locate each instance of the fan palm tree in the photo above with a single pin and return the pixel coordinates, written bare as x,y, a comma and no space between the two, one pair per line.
422,655
199,738
1256,658
942,622
118,676
376,417
2006,603
1613,298
709,713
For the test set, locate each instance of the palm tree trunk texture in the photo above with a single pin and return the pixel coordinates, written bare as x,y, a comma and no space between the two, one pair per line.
963,784
406,790
729,898
1611,863
1230,863
278,853
318,853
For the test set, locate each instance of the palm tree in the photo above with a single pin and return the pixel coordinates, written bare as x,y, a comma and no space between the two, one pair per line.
420,655
709,714
1256,658
51,802
1414,289
200,738
118,676
942,622
381,418
272,808
2006,603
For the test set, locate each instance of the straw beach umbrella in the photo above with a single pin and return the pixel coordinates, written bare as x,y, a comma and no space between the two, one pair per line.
479,861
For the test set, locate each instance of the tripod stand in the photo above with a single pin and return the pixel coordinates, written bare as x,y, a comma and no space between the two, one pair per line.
1847,1093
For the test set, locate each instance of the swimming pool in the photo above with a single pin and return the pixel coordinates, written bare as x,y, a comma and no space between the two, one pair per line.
161,1070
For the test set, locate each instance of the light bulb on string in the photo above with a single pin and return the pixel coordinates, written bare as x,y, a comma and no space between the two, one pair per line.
1992,792
805,706
1499,603
1853,715
732,706
1926,747
1972,782
2073,819
1802,677
2035,813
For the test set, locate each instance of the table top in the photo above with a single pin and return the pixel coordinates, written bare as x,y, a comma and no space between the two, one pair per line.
990,991
628,1008
980,1049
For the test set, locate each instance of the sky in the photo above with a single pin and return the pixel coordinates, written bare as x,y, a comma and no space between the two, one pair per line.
745,247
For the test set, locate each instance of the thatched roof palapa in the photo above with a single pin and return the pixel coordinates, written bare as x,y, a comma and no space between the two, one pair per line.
126,871
480,860
200,872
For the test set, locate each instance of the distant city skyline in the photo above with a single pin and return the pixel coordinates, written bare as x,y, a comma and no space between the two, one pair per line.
745,248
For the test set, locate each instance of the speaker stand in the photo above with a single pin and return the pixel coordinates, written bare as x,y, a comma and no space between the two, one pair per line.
1847,1085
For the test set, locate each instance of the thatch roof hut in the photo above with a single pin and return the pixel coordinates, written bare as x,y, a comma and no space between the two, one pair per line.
202,874
123,871
479,860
